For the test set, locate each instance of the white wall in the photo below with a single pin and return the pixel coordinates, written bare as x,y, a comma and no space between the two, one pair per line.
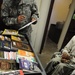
64,31
60,11
38,30
35,27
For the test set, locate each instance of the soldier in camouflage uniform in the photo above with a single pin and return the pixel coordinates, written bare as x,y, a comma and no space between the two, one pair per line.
17,13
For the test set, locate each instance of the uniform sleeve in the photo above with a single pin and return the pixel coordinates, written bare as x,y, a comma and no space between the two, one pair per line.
69,46
35,10
5,15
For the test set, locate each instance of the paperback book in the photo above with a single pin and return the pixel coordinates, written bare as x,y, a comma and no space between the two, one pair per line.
20,45
19,39
15,38
1,54
26,55
28,66
7,38
6,65
6,44
10,32
1,37
13,72
10,55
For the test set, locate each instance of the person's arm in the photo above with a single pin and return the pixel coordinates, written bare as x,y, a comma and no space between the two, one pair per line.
8,20
69,46
35,14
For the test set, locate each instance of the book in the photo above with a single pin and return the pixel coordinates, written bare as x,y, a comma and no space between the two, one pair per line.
10,55
19,39
15,38
20,45
10,32
6,44
6,65
28,65
7,38
1,54
32,59
25,55
1,37
13,72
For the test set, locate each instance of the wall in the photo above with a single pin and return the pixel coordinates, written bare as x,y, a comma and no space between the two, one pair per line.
66,25
38,30
60,11
35,27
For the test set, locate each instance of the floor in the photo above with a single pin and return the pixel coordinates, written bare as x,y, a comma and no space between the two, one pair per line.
49,48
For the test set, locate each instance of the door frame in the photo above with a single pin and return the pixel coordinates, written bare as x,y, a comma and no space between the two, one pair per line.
47,25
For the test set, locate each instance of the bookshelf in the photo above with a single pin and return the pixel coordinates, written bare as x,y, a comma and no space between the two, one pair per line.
11,59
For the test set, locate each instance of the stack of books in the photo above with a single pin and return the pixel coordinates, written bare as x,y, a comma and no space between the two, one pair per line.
17,49
27,61
13,42
13,72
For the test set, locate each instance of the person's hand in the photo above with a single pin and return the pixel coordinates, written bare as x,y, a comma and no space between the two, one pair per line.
21,18
33,19
65,56
64,61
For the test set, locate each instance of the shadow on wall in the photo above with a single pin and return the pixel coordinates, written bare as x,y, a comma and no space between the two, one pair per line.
55,31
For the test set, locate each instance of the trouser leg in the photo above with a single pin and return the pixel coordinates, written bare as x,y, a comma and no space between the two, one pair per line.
52,64
58,68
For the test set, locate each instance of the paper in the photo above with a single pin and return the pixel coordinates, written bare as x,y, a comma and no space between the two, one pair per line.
27,25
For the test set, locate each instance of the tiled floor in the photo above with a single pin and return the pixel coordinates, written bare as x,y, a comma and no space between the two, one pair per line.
49,49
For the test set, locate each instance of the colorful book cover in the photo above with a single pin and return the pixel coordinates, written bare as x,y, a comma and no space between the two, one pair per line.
6,65
7,38
20,45
15,38
28,66
19,39
1,54
1,37
24,64
13,72
25,55
10,32
10,55
32,59
6,44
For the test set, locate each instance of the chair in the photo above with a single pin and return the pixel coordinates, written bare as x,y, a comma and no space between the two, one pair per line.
67,70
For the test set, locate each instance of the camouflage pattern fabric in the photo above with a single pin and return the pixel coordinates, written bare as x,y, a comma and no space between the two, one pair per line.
11,9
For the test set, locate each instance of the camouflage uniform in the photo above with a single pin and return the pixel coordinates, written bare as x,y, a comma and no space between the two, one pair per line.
10,11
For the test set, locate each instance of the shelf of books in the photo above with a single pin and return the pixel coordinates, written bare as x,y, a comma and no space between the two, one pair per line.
17,57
